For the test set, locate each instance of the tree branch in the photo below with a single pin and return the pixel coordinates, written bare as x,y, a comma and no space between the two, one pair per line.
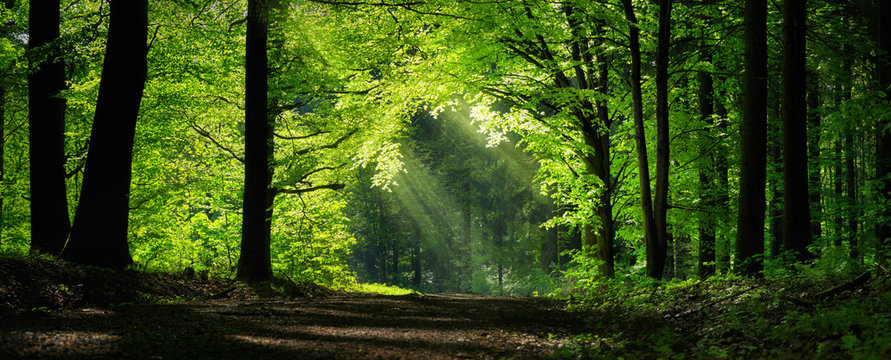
206,134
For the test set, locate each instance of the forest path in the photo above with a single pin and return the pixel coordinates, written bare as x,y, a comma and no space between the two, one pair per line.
447,326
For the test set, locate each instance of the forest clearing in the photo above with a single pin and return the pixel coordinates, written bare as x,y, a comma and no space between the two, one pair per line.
621,179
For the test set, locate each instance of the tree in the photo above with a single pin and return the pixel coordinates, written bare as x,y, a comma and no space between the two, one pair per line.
8,4
655,253
796,209
883,143
753,134
254,262
660,202
49,204
99,233
706,175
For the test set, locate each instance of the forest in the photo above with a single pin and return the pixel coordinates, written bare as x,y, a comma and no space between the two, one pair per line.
676,163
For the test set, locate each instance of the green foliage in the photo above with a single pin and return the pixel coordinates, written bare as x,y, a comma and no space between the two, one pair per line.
382,289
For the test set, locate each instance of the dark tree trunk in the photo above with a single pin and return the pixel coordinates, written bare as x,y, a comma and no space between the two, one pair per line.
750,222
815,183
796,207
99,233
605,245
706,256
774,206
2,155
838,177
660,202
722,240
883,143
851,200
595,127
50,223
254,263
655,253
775,181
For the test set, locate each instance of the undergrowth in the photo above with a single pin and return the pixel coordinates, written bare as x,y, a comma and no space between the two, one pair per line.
786,316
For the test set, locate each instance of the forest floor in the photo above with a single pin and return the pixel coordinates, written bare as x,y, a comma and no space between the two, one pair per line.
51,309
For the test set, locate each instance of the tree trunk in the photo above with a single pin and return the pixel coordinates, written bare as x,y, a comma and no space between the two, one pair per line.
838,177
851,201
815,183
655,253
750,222
660,202
796,206
596,135
883,143
706,256
99,233
775,184
722,240
605,244
50,223
254,263
2,156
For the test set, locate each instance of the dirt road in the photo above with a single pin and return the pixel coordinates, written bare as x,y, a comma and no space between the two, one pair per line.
336,327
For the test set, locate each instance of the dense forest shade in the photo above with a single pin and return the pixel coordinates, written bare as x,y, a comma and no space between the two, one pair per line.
510,147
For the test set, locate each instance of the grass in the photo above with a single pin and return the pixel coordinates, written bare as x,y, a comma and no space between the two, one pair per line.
382,289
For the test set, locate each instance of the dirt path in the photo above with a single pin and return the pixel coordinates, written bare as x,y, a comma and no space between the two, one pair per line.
337,327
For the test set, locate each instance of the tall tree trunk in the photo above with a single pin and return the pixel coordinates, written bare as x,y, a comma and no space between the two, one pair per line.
722,240
2,156
775,181
595,127
706,266
99,233
815,183
605,245
774,206
851,200
796,207
883,143
838,179
655,253
750,222
254,263
50,223
660,202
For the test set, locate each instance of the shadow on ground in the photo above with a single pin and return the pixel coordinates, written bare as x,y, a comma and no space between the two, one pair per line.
336,327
